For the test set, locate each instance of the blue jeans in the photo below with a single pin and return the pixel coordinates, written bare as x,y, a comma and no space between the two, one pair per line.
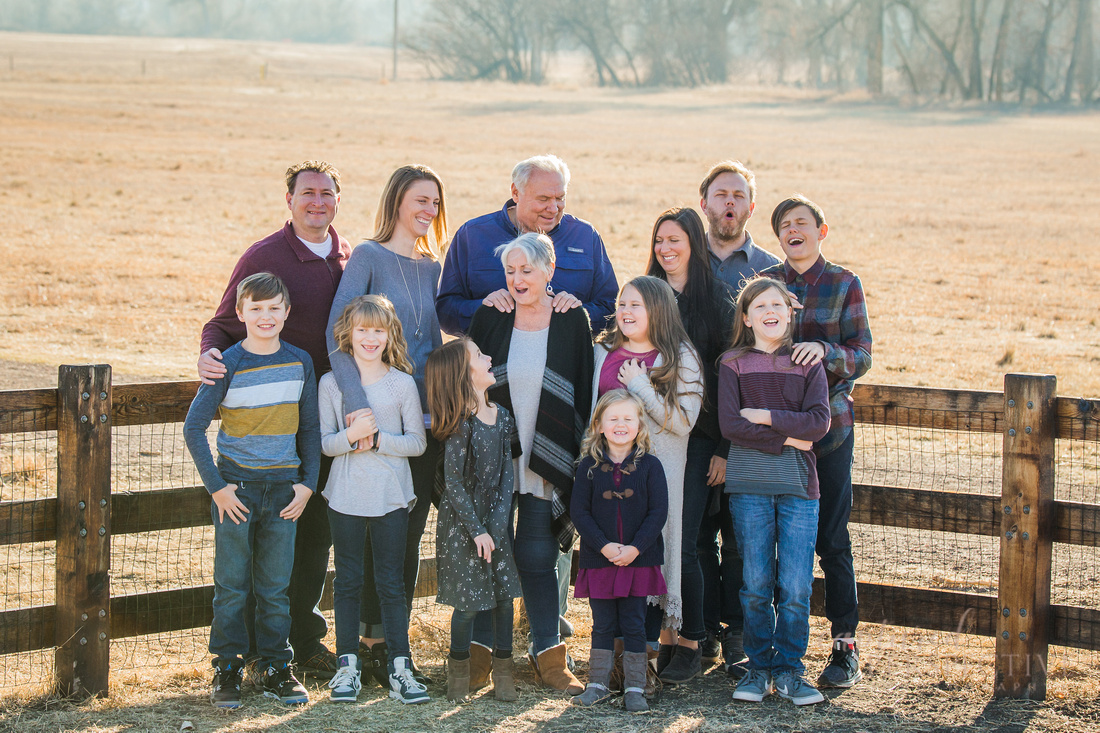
462,629
834,543
536,550
696,500
387,537
776,531
253,557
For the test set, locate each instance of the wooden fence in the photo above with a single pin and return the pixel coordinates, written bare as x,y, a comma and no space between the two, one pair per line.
1028,414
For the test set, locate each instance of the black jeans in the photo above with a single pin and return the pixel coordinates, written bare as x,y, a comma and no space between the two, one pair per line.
834,544
722,567
307,578
697,497
423,476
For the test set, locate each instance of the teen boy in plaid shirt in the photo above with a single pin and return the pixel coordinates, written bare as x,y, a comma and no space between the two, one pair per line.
832,328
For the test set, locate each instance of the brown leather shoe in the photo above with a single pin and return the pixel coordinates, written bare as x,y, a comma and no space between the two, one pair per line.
481,664
551,670
504,682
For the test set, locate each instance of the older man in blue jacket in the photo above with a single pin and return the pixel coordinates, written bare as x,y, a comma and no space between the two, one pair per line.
473,275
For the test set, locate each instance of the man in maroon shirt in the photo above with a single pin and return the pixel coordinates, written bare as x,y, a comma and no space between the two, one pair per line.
309,256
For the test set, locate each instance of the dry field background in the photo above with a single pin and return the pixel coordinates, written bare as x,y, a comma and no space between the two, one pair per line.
135,171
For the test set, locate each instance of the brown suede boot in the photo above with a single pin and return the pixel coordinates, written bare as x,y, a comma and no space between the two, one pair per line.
504,682
481,663
458,679
653,684
616,682
551,670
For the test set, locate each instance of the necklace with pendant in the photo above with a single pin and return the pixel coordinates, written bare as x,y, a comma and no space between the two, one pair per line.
412,300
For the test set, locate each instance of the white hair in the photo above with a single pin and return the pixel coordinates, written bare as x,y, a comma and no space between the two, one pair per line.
546,163
538,248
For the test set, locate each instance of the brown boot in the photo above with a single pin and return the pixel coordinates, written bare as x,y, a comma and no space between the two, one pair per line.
481,663
458,679
616,682
551,670
504,682
653,684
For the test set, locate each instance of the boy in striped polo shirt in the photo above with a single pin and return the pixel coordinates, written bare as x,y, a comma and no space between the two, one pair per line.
269,447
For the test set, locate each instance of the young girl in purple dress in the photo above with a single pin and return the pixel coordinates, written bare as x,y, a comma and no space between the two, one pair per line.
619,506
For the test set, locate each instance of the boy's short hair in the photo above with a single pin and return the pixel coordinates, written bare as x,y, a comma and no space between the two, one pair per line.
794,202
262,286
729,166
313,166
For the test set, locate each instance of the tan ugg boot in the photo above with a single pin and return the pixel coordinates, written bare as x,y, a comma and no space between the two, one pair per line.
504,682
481,664
458,679
551,670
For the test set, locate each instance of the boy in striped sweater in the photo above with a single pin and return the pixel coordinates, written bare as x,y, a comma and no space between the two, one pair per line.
269,447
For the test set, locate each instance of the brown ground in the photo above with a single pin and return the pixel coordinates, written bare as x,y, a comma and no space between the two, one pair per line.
131,194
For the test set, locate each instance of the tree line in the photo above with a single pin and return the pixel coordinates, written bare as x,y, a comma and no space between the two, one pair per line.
1021,51
1007,51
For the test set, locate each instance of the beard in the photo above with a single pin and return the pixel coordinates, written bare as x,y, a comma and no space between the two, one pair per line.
727,230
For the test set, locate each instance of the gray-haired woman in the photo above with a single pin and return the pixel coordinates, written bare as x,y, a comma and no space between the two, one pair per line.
542,360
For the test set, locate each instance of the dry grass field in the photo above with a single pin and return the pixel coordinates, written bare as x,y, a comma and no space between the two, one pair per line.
135,171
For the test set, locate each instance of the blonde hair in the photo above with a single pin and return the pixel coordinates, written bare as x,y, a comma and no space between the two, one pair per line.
665,331
374,311
435,241
594,444
743,337
452,398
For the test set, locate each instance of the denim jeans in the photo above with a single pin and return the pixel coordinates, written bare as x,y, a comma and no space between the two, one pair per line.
307,580
776,531
536,551
253,558
462,629
423,476
387,537
697,496
834,544
721,566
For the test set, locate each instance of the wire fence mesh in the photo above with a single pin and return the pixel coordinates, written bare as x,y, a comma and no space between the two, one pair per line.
153,456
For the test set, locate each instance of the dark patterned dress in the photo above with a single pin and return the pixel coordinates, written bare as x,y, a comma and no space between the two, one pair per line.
477,498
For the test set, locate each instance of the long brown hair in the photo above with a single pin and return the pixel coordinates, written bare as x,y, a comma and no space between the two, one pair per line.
665,331
374,311
743,337
452,398
430,245
594,444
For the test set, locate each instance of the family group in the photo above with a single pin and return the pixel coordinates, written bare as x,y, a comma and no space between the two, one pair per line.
694,427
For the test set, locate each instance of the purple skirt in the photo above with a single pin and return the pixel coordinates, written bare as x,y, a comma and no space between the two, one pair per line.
616,582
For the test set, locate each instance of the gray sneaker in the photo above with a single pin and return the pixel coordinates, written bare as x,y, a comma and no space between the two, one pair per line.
754,686
791,686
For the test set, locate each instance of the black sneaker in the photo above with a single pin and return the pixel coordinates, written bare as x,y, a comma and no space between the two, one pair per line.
280,683
734,661
322,664
225,692
843,667
710,646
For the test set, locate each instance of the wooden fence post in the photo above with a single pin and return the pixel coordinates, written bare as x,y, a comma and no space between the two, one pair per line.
1027,506
83,618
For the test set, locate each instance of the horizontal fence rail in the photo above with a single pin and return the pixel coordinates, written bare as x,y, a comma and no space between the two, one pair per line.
41,520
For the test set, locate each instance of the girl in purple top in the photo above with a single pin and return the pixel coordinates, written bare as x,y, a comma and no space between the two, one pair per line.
771,410
619,505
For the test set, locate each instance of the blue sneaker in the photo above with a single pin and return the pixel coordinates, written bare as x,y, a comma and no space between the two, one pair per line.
403,686
346,683
791,686
754,686
225,692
